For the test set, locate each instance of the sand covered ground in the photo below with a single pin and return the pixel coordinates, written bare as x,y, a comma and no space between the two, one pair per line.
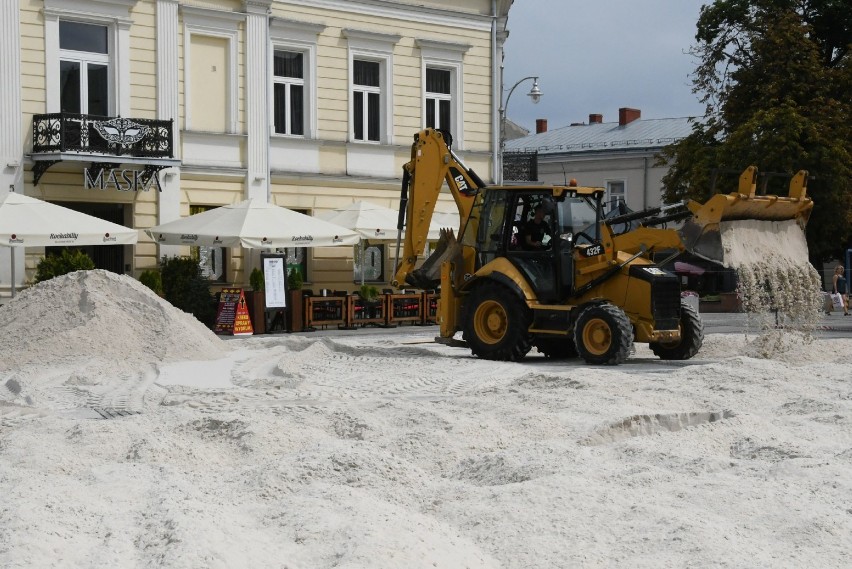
387,450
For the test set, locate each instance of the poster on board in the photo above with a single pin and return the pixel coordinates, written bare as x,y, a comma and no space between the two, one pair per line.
275,280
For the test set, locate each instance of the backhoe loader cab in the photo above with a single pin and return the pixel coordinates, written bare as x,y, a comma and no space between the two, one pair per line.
544,266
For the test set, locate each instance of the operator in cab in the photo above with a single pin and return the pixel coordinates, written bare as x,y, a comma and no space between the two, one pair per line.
535,234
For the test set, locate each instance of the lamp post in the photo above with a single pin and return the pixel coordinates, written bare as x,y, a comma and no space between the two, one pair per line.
534,95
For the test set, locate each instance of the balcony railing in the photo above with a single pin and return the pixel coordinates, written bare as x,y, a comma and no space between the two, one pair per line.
108,136
520,166
105,141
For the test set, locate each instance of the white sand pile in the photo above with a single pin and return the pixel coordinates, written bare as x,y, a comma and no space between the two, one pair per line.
90,325
776,281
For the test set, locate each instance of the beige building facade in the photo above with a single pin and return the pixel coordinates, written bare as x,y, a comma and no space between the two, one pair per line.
144,111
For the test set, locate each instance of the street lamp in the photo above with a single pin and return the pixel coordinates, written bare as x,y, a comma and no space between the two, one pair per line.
534,95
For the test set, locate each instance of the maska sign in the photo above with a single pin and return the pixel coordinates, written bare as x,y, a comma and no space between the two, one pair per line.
122,180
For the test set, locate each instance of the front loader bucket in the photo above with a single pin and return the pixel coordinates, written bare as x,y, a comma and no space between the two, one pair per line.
701,234
429,274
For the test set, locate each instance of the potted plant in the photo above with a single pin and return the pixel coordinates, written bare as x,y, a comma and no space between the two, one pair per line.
256,300
294,300
369,293
370,301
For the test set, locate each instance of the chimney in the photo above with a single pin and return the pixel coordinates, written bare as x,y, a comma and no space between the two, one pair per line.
540,126
627,115
595,118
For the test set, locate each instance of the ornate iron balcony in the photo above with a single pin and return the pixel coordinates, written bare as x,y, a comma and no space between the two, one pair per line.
105,141
109,136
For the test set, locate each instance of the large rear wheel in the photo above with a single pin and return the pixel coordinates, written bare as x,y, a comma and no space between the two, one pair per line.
691,337
496,323
603,335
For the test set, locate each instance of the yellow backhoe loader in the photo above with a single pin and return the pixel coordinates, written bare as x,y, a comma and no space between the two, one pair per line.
568,280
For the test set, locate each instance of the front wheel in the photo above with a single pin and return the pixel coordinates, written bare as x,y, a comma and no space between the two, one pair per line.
603,335
691,337
496,324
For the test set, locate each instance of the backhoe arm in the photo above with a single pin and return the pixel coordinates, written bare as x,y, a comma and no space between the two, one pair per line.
432,163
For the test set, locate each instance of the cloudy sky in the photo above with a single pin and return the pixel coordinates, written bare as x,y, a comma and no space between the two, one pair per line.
595,57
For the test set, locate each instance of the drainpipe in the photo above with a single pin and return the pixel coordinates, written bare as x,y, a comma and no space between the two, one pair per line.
496,96
645,182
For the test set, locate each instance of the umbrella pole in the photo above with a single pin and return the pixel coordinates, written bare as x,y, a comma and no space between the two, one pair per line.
12,253
361,259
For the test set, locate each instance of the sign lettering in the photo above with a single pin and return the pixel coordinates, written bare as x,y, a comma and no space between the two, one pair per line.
125,180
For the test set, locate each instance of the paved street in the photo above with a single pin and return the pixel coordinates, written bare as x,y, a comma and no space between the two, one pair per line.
831,326
834,325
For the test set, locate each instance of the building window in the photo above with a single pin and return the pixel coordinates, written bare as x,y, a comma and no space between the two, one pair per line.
616,193
211,260
289,92
370,85
438,98
442,76
84,68
366,100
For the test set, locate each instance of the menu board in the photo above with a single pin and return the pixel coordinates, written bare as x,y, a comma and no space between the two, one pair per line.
275,283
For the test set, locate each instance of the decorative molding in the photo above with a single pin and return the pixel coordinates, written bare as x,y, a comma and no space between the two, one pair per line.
102,11
365,39
281,28
434,49
213,19
406,12
11,149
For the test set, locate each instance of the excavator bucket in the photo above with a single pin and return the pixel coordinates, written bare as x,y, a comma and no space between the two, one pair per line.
428,276
702,233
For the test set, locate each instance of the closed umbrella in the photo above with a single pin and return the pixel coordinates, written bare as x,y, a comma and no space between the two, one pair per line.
31,222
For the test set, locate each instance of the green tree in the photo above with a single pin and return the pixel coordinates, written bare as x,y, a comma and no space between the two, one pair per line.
776,78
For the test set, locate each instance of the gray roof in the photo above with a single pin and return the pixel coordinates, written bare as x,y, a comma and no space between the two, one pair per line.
641,134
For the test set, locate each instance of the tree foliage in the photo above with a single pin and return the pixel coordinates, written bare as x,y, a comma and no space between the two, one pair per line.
776,78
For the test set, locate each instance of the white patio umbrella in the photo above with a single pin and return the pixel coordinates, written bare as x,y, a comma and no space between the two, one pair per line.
370,220
376,222
30,222
253,224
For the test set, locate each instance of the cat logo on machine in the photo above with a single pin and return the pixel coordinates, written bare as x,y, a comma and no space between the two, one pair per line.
593,250
459,178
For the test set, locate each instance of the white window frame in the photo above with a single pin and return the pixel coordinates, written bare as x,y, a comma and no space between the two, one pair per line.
115,15
448,56
84,58
436,98
622,196
288,83
290,35
377,47
218,24
366,91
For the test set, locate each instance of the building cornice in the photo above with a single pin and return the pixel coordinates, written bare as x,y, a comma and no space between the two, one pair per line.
399,11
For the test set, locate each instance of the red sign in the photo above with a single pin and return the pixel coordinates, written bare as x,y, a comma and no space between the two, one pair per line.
242,323
232,316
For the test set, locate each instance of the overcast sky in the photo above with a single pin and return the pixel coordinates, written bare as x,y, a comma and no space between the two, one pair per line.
598,56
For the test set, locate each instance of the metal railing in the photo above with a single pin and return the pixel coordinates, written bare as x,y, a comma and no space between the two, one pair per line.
109,136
